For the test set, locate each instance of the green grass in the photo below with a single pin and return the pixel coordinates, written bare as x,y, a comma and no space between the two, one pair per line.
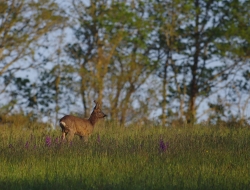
127,158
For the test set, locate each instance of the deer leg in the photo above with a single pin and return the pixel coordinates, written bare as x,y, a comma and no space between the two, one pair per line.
86,138
82,138
63,135
70,136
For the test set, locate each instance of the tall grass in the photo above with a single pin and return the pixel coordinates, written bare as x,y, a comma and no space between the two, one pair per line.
199,157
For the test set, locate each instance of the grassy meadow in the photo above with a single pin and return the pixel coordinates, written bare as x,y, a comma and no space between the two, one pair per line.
135,157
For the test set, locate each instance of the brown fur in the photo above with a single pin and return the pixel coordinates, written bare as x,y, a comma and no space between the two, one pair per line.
72,125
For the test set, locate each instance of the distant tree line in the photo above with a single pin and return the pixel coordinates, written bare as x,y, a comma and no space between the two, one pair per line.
170,61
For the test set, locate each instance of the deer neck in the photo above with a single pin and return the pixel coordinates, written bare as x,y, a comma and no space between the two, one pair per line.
93,119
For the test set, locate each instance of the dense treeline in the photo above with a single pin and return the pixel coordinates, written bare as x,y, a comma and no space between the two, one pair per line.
180,60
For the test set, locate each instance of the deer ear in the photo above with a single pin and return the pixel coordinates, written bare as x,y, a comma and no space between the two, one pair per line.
97,104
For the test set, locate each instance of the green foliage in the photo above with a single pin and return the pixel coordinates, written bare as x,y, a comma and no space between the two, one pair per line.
23,26
110,55
136,157
200,46
235,28
137,57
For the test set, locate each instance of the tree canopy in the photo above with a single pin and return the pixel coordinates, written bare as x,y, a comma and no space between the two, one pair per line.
161,61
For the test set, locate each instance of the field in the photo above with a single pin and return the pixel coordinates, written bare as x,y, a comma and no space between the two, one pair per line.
134,157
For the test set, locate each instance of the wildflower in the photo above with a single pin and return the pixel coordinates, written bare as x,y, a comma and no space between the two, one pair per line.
48,141
141,145
27,144
57,140
163,146
98,138
31,137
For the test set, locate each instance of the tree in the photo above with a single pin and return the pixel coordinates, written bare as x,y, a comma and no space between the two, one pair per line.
168,17
131,66
22,25
235,49
202,67
111,54
96,43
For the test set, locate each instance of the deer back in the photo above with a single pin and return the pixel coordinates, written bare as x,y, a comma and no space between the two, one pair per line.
76,125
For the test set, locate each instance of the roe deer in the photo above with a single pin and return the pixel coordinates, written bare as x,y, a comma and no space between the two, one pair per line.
72,125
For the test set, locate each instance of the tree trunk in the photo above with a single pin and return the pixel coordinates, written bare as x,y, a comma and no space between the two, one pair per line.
193,86
83,89
164,94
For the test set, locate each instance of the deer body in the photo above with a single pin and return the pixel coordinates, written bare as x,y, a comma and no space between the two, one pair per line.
72,125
